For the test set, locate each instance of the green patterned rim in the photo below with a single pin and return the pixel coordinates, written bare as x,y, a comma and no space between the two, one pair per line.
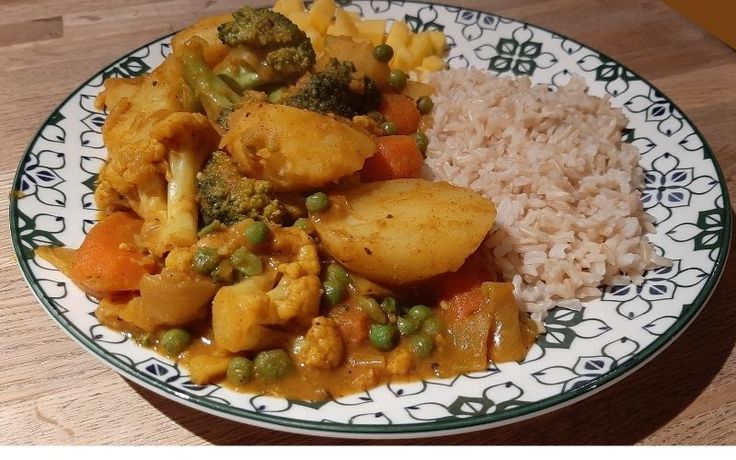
441,425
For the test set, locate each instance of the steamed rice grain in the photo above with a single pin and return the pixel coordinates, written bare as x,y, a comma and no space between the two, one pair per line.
570,219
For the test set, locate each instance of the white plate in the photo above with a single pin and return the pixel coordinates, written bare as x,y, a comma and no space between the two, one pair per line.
581,353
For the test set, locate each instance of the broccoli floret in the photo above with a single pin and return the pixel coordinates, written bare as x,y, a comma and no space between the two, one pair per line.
336,89
217,98
258,36
227,196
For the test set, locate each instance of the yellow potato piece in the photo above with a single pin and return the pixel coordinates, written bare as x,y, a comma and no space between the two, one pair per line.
398,37
433,63
421,46
320,14
373,30
301,19
326,18
403,231
295,149
287,7
360,53
343,25
204,369
438,41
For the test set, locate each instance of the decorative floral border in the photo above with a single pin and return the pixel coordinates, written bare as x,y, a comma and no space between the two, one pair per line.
582,351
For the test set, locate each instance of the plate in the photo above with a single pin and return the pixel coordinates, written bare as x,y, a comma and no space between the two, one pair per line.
582,351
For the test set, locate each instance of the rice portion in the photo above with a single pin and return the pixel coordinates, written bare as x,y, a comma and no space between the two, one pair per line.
565,185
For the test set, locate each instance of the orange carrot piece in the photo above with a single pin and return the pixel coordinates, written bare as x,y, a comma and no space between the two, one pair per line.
397,157
352,323
108,259
461,290
402,111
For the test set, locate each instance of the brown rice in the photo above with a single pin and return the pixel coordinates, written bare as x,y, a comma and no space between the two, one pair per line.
570,217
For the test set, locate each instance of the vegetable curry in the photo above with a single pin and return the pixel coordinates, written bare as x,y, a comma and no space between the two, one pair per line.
264,222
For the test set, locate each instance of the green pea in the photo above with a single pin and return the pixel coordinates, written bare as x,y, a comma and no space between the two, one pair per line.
397,79
389,305
422,142
257,232
174,341
421,345
204,260
240,370
425,105
337,273
370,307
224,273
303,223
317,202
388,128
376,116
246,262
419,312
383,52
334,292
431,326
273,365
209,228
407,325
383,336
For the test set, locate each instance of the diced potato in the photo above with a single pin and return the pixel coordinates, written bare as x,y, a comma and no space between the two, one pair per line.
403,231
318,40
359,53
438,41
287,7
343,25
204,369
421,46
433,63
415,89
354,15
301,19
373,30
403,59
325,17
321,13
398,36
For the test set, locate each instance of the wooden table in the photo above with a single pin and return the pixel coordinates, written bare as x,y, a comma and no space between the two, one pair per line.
53,392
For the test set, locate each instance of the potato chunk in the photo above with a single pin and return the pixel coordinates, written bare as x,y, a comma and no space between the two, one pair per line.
359,53
295,149
406,230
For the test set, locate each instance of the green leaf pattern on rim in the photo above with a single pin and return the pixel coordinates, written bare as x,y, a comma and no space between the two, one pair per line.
685,192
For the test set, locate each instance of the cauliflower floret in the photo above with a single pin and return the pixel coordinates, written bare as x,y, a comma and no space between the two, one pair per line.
400,361
323,347
244,314
155,148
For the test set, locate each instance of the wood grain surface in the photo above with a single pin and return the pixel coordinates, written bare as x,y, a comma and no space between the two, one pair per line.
53,392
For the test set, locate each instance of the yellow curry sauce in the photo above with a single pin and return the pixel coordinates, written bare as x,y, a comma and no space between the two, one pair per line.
476,322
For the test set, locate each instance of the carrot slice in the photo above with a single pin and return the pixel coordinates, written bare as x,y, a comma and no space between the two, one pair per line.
402,111
352,323
108,259
461,290
397,157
